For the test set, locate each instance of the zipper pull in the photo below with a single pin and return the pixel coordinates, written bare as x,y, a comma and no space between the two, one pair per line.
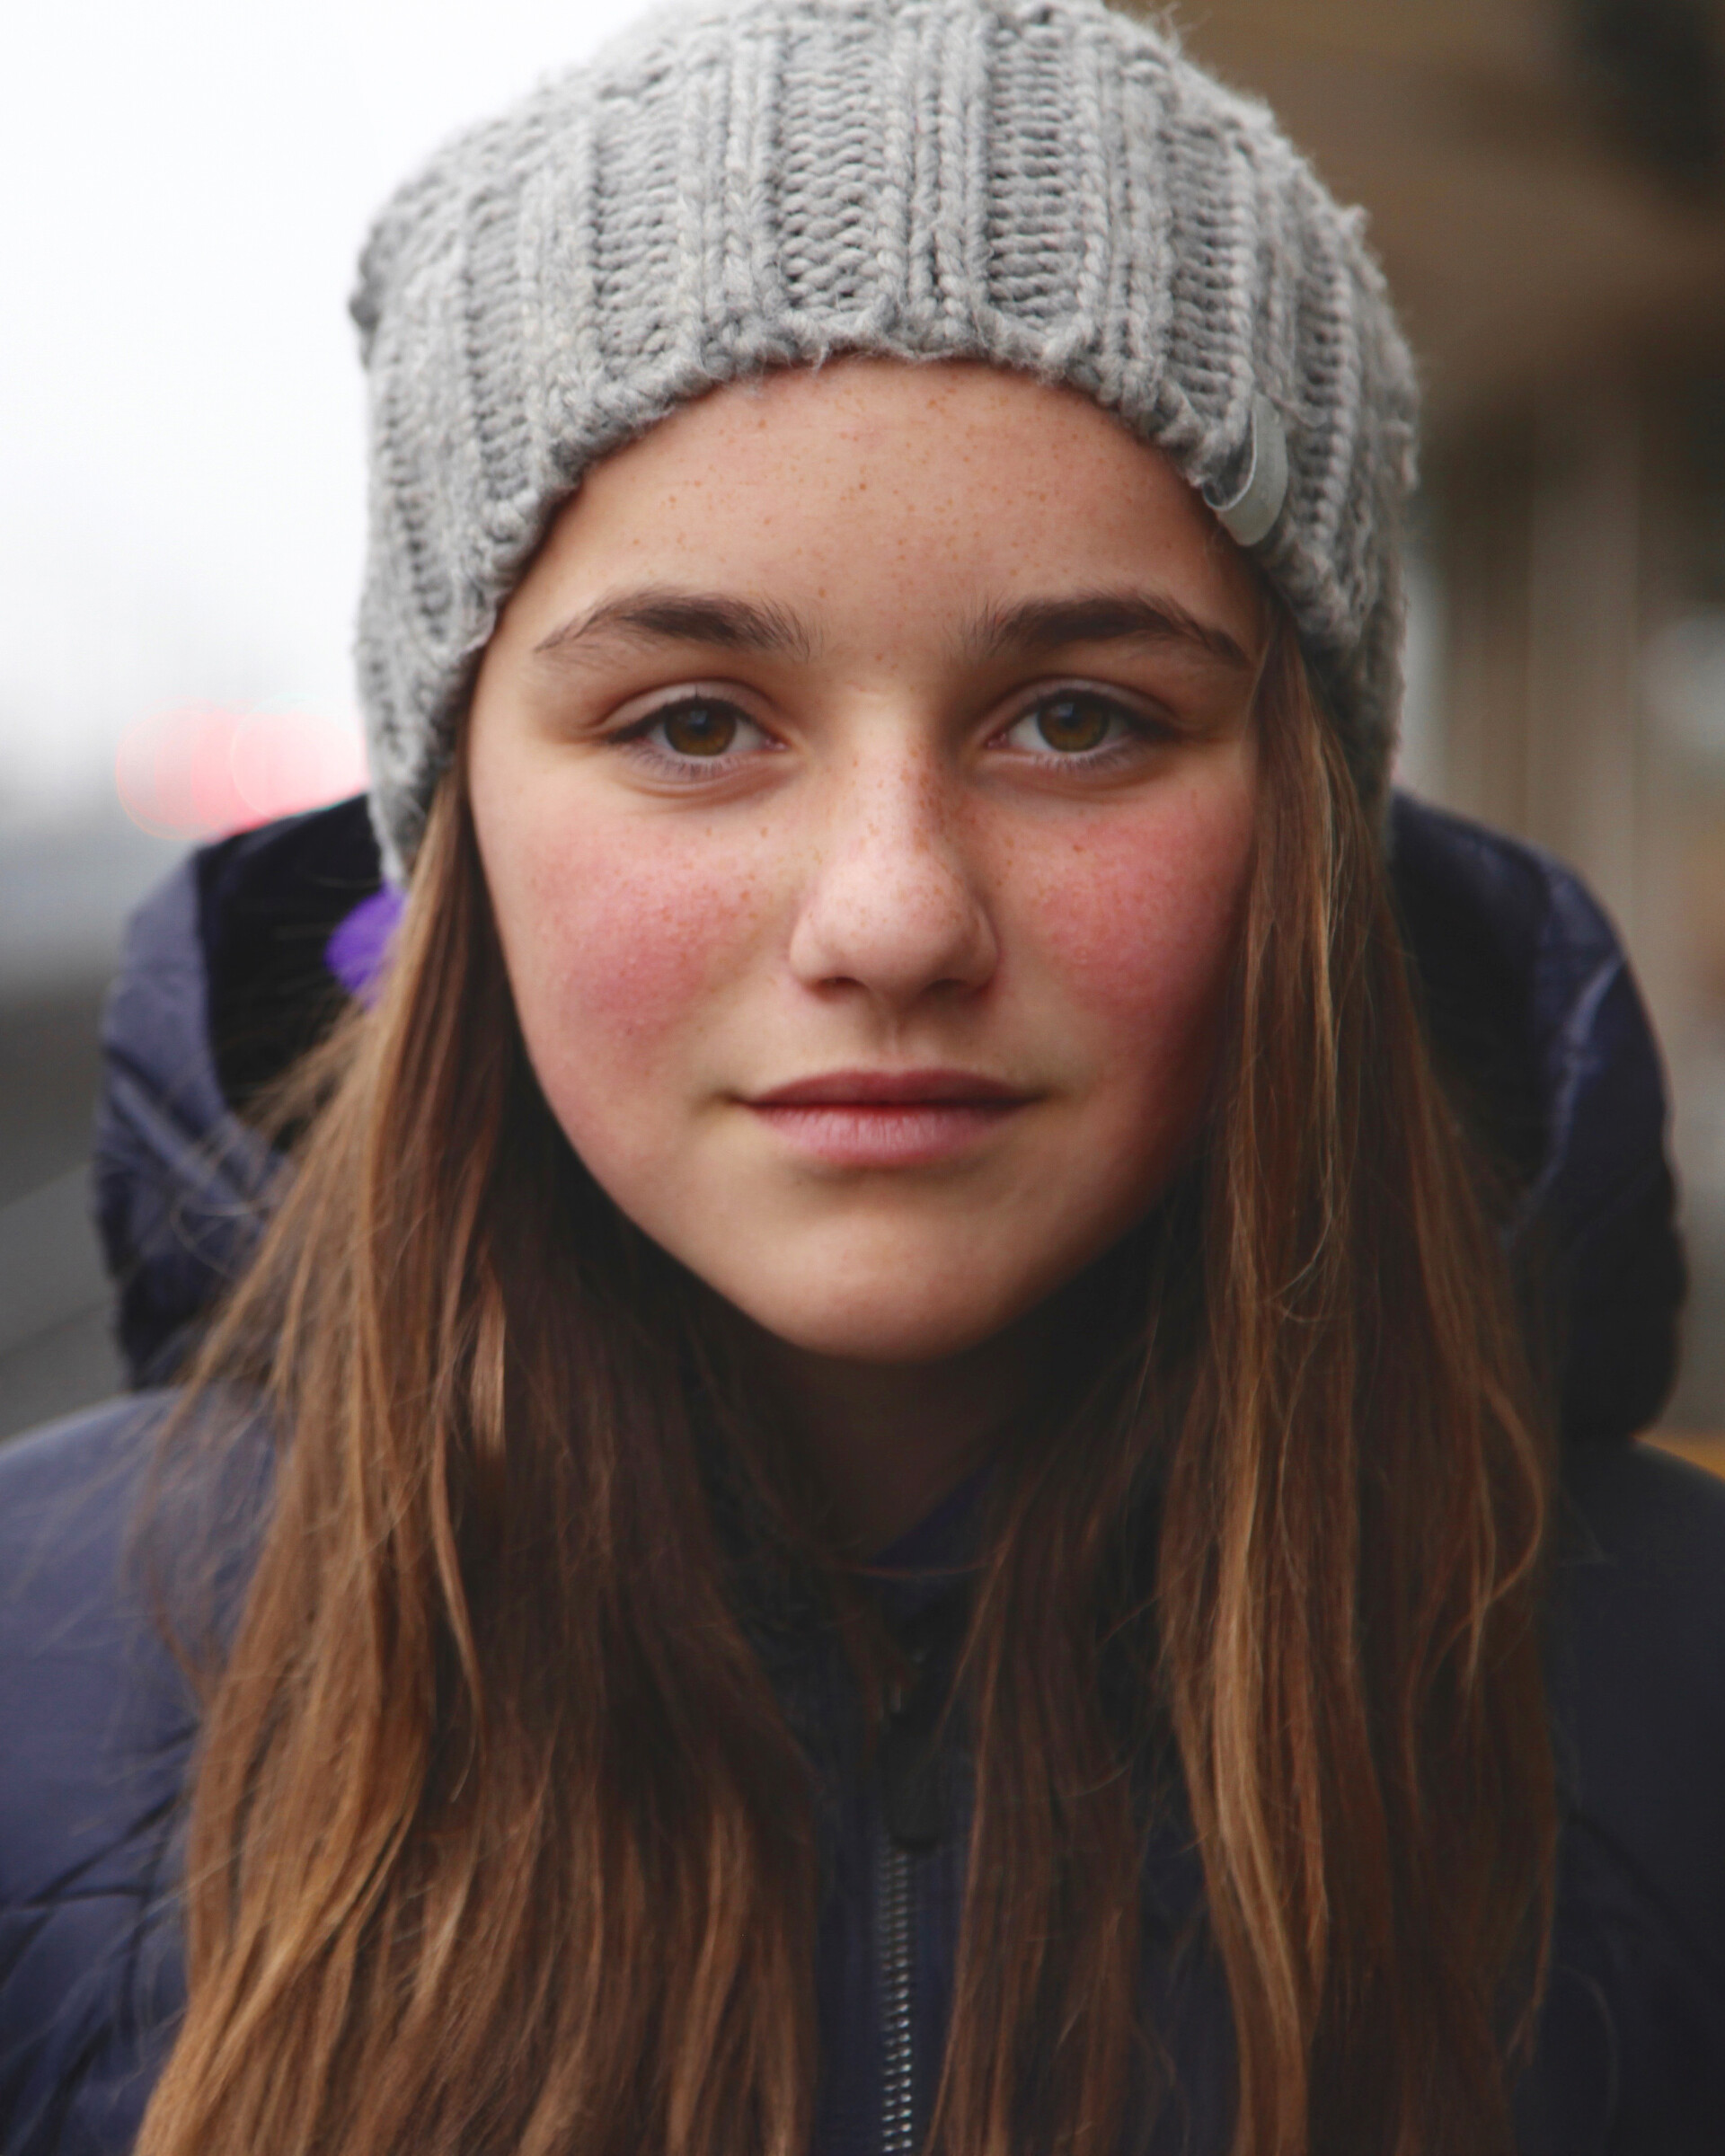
913,1774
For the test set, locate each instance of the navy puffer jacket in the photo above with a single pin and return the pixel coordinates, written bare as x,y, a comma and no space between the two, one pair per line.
1533,1011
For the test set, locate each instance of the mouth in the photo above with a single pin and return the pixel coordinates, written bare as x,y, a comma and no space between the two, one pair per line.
887,1119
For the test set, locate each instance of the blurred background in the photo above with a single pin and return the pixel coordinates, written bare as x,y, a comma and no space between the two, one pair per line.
182,507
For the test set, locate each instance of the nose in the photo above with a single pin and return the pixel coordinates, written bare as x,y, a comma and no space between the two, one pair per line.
892,906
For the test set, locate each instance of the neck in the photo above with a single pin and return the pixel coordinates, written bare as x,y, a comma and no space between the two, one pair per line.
889,1440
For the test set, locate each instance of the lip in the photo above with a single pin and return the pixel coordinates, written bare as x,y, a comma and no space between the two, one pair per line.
891,1089
865,1118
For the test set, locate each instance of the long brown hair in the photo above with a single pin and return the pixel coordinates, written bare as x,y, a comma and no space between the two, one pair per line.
499,1839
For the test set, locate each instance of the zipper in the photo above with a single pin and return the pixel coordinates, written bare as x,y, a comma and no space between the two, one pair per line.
913,1820
899,2092
912,1807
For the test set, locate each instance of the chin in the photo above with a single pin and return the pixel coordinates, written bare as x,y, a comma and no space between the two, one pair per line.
895,1327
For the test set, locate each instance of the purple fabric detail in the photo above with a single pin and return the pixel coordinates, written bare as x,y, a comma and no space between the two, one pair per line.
358,953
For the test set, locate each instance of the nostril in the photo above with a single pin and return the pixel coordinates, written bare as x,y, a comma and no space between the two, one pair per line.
897,928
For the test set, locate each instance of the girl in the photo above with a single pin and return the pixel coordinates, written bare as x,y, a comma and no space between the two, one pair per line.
876,1486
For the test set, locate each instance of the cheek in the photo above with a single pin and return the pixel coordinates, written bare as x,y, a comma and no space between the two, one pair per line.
1135,921
619,940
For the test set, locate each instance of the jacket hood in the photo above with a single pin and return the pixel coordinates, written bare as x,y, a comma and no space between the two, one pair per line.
246,955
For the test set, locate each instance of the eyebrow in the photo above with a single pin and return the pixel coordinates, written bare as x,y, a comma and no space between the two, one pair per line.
662,615
1102,617
658,615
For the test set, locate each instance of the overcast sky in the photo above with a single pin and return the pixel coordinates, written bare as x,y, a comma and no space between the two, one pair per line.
187,184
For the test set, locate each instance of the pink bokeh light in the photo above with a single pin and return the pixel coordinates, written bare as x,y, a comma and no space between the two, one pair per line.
202,770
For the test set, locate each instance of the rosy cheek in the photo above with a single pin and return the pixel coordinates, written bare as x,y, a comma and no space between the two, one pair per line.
619,938
1137,916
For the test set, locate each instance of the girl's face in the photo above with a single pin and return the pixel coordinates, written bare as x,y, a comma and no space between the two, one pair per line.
865,778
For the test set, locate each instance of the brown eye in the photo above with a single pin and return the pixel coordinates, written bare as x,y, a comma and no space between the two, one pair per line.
1073,724
700,730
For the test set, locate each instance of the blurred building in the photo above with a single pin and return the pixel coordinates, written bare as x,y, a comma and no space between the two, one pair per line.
1545,181
65,890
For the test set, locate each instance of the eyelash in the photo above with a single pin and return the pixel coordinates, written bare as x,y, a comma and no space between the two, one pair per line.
637,738
1138,730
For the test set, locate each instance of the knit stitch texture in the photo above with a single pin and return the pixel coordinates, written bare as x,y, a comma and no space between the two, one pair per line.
1043,184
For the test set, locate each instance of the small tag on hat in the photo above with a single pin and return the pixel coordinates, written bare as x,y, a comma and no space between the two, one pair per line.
1250,514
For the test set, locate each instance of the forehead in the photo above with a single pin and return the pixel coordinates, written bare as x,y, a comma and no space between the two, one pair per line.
879,483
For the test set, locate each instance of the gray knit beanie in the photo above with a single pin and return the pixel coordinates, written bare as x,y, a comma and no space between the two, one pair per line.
744,184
